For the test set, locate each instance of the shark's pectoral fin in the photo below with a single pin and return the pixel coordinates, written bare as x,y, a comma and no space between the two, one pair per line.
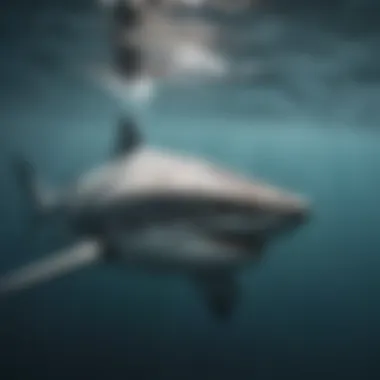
128,137
221,292
55,265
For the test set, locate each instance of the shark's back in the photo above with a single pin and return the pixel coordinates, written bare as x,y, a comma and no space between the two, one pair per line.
152,171
146,170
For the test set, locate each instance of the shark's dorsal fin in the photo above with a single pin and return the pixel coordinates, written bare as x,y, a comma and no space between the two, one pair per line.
128,137
221,292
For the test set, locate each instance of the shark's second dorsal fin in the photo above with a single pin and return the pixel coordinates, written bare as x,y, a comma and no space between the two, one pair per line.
128,137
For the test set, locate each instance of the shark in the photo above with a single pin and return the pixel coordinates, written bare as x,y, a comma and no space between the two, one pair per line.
161,211
150,47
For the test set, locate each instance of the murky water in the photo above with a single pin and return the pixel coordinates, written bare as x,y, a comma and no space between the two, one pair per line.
309,311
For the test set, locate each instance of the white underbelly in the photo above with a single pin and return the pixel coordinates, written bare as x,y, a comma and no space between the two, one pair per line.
175,247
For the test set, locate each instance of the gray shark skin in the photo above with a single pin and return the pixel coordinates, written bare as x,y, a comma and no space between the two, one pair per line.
161,211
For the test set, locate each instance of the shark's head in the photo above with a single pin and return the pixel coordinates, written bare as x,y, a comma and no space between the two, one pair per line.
247,226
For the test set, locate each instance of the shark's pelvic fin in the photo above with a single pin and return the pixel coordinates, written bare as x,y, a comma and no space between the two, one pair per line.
128,137
221,292
55,265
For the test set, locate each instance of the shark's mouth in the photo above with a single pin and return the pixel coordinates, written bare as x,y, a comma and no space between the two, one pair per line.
247,233
218,210
227,222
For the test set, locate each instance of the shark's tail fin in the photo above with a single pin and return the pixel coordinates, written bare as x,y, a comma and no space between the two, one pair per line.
40,199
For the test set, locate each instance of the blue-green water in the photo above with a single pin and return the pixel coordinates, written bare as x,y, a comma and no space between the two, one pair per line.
310,310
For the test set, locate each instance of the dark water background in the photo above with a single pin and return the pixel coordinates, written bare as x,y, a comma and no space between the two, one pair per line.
311,310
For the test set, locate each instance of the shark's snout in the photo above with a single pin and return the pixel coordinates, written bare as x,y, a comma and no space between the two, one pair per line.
299,217
251,229
284,222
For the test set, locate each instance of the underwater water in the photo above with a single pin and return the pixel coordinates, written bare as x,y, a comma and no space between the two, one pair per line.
310,310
